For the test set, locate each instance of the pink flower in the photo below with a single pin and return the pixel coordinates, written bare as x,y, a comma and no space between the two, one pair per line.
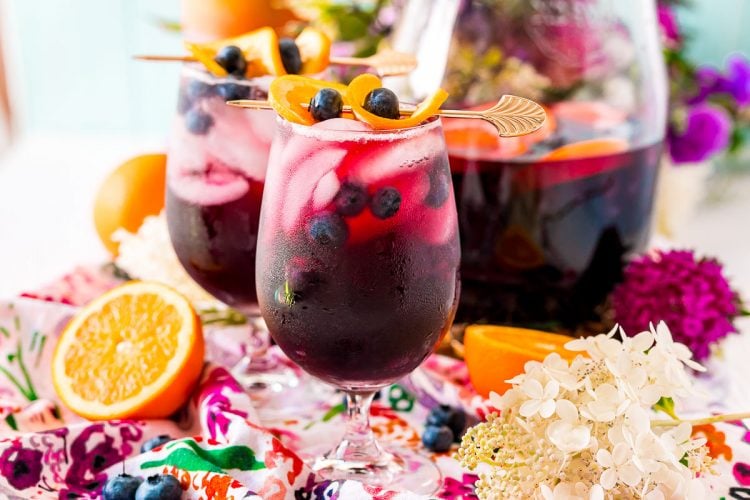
690,295
670,29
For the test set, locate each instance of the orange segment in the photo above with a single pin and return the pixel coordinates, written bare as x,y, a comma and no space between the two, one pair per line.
135,352
477,139
365,83
314,48
205,56
287,93
495,354
587,149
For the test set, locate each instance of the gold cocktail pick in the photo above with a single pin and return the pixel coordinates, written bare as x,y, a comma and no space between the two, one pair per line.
386,62
511,116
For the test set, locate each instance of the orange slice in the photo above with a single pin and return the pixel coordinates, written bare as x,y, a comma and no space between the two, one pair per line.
478,139
261,49
287,93
365,83
314,49
205,55
588,149
135,352
495,354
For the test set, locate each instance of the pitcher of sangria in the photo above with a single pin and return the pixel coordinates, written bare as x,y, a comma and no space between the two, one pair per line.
546,220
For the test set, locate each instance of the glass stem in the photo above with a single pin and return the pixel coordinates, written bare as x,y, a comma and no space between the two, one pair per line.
359,443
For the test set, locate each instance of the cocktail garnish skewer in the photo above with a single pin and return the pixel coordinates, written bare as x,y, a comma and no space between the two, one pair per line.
512,116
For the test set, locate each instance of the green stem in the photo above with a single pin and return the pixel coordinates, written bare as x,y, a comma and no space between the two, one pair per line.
728,417
25,372
14,381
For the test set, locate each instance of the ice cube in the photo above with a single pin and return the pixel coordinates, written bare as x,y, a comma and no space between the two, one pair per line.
326,190
209,188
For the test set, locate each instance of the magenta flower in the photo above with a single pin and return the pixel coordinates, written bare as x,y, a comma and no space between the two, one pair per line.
21,467
706,132
690,295
737,80
670,29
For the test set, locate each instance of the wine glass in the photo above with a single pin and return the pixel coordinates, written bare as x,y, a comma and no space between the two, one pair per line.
358,256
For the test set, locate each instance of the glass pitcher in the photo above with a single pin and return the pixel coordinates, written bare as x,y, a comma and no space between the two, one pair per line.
547,220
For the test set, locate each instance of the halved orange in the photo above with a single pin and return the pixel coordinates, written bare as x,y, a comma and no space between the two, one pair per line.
588,149
287,94
314,49
494,354
135,352
365,83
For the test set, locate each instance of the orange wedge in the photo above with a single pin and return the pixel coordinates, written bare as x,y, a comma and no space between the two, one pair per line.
261,49
314,49
495,354
135,352
588,149
363,84
287,93
205,56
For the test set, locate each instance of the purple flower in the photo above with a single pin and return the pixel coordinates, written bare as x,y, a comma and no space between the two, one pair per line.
670,30
21,467
706,132
737,81
691,296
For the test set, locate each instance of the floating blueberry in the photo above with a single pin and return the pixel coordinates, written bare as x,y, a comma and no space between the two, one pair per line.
159,487
382,102
328,230
232,59
183,103
437,438
453,418
230,91
385,203
155,442
326,104
440,186
121,487
351,199
290,56
198,122
196,89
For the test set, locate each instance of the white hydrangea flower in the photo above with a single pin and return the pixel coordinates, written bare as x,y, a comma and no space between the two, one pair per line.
541,399
618,467
608,403
568,434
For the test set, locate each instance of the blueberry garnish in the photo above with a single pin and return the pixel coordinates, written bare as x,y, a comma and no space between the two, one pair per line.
351,199
121,487
155,442
198,121
232,59
453,418
159,487
230,91
328,230
382,102
183,103
385,203
326,104
440,186
197,89
437,438
290,56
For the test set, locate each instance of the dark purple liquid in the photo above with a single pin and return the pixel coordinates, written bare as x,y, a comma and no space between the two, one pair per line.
545,242
216,244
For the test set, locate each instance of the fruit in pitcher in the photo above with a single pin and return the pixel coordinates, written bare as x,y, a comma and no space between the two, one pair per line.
135,352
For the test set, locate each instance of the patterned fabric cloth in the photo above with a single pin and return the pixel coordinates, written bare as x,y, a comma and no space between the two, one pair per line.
228,446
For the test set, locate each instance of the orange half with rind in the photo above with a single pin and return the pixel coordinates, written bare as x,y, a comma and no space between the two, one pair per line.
494,354
314,49
363,84
287,93
135,352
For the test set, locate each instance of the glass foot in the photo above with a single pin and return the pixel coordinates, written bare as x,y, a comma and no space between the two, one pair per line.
259,376
402,470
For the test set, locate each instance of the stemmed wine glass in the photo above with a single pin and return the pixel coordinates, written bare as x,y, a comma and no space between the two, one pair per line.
357,264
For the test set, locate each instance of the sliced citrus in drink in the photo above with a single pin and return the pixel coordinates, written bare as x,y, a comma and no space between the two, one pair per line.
314,49
587,149
135,352
596,114
478,140
287,94
128,195
495,354
364,84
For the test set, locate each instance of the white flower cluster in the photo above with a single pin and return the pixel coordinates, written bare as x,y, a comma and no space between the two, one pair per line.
584,430
148,255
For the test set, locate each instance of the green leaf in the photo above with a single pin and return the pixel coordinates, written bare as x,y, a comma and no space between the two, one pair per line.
335,410
666,405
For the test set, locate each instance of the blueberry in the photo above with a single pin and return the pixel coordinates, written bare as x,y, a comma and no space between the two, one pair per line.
198,122
230,91
437,438
382,102
121,487
197,89
290,56
453,418
232,59
183,103
326,104
328,230
385,203
155,442
351,199
440,186
159,487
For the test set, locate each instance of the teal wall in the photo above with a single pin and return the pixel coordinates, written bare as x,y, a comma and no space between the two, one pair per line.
717,27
